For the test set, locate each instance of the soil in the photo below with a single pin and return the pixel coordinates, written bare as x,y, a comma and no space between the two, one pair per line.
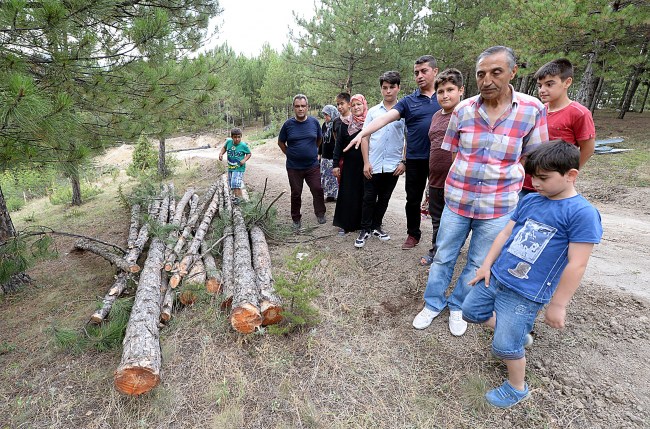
363,365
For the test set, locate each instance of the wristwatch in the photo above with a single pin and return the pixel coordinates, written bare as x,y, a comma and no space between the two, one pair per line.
403,161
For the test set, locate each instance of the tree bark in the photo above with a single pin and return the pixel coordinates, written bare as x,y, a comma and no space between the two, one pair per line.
627,101
76,188
168,299
227,266
245,316
270,302
139,369
212,275
162,168
111,257
143,236
190,225
7,229
599,91
645,97
177,218
134,227
585,93
202,230
109,299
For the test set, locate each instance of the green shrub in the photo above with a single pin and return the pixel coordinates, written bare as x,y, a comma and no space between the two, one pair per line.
14,203
144,158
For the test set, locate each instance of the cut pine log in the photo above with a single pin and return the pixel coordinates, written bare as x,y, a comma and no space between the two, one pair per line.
168,300
193,249
139,369
143,236
227,197
111,257
245,316
227,264
192,283
109,299
179,211
270,302
212,274
189,226
134,227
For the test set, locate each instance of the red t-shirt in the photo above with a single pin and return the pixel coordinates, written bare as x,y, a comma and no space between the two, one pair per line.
572,124
439,159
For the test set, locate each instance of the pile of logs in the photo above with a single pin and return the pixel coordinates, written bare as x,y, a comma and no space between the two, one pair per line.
185,259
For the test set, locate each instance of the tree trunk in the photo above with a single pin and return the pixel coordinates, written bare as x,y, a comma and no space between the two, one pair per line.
627,101
245,316
139,369
627,86
599,91
7,229
191,282
143,236
162,168
213,276
111,257
270,303
176,220
109,299
227,266
168,299
76,188
645,97
585,93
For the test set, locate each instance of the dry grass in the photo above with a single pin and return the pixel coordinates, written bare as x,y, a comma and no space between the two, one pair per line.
363,366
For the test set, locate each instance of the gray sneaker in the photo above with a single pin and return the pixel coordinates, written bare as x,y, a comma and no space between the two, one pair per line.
321,219
361,241
380,234
296,226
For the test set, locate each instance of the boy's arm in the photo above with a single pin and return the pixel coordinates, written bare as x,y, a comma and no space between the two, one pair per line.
569,281
246,158
484,270
377,123
223,150
365,152
587,148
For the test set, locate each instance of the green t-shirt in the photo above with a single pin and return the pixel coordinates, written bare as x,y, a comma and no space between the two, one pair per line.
235,154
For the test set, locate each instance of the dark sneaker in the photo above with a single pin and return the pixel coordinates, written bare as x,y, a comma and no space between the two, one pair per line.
410,242
296,225
235,201
380,234
330,199
321,219
505,396
361,241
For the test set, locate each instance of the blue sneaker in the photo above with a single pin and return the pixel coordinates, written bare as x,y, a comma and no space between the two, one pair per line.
505,396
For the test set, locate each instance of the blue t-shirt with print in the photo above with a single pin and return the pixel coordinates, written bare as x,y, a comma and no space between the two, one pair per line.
536,253
301,139
235,154
417,110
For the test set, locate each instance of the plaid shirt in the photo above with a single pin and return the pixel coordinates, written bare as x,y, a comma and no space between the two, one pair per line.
486,176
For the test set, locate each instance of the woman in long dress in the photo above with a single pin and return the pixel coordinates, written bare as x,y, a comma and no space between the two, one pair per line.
347,215
326,151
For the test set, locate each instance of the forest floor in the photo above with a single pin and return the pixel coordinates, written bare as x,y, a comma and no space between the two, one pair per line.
363,365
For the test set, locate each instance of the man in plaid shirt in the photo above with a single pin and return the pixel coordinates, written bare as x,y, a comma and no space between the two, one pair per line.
487,135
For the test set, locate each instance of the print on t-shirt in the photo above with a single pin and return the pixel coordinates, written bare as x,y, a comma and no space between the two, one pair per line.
530,241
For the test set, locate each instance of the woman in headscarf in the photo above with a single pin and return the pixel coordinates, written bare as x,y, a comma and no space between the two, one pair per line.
326,151
347,215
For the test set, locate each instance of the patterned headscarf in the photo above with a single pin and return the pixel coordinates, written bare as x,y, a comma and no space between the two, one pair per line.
355,123
333,114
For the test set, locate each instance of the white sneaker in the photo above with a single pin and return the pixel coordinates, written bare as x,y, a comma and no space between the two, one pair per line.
424,318
457,326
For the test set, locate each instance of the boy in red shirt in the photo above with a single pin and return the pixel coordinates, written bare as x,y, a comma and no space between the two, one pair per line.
567,120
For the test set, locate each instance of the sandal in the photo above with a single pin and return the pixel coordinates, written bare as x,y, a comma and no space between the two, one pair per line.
426,260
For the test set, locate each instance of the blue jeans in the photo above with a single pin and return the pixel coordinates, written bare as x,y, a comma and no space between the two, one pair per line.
453,232
515,316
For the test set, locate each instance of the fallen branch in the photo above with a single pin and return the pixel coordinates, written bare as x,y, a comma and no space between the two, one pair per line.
111,257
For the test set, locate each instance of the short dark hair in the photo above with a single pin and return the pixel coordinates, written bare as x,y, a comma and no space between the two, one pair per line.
555,155
391,77
235,132
429,59
493,50
345,96
560,67
453,76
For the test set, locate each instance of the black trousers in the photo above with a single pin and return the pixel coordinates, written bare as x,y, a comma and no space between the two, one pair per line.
417,173
376,194
436,205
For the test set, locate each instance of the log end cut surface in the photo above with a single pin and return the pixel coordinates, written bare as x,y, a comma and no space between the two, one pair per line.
271,313
245,318
136,380
213,286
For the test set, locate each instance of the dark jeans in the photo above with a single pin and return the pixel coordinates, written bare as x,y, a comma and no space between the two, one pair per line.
311,176
417,173
436,205
376,194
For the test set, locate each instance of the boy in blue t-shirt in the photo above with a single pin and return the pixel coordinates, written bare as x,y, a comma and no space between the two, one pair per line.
238,154
539,258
